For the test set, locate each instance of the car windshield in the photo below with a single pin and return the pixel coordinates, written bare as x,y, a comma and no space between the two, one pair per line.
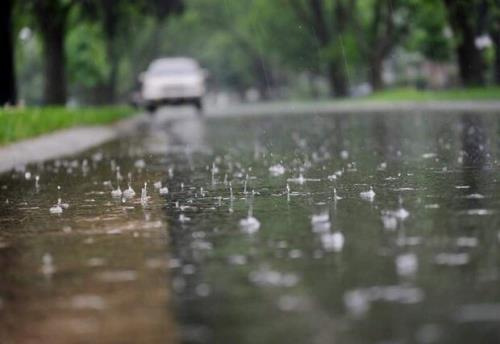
172,69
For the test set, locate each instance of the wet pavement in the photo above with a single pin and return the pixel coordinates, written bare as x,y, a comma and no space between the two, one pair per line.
359,228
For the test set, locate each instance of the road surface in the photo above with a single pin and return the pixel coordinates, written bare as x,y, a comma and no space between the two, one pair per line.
306,228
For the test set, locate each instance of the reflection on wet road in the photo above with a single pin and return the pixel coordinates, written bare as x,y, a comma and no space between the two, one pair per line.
310,229
91,268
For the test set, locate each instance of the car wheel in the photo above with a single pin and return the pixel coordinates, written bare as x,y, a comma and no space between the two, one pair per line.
151,108
199,106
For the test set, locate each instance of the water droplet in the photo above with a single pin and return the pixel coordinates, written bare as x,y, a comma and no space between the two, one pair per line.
277,170
333,242
452,259
249,224
406,264
368,195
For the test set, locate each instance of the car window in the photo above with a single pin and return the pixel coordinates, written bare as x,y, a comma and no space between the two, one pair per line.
172,67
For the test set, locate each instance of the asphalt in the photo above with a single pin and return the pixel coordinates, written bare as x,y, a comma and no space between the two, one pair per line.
74,140
63,143
348,106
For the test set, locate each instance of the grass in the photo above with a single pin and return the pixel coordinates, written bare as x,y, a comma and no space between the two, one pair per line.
412,94
21,123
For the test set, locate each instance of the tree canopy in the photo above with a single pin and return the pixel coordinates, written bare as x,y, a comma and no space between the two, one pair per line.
91,51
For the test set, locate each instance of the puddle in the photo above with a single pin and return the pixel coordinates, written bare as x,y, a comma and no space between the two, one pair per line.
347,228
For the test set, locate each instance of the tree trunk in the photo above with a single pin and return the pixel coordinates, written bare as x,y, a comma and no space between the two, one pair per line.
7,74
376,73
496,44
263,77
382,37
470,62
494,29
54,57
324,31
110,20
497,63
313,89
110,87
338,80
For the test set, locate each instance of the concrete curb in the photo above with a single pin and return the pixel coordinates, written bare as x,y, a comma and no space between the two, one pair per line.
338,107
62,143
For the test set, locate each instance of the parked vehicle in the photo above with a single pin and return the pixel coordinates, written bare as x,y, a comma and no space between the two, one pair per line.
173,81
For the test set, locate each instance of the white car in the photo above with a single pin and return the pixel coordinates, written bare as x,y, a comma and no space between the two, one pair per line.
178,80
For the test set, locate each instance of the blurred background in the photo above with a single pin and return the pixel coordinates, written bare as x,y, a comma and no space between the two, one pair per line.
345,221
90,52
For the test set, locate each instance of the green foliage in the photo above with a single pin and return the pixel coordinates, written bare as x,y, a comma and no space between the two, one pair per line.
429,31
412,94
86,53
285,37
22,123
243,43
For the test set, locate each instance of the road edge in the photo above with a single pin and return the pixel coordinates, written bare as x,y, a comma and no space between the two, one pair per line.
63,143
357,106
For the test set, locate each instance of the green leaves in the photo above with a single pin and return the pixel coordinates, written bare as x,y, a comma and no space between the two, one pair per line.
87,63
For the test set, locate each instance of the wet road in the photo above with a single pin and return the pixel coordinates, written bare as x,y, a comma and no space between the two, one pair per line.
369,228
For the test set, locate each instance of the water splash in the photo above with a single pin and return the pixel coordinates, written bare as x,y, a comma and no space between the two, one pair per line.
48,268
390,221
183,218
266,277
144,194
358,301
277,170
301,180
129,192
333,242
56,209
368,195
117,192
250,224
452,259
407,264
335,196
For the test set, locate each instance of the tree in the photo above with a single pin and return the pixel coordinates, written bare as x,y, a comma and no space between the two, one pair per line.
429,31
329,21
464,19
160,10
87,63
494,30
233,27
114,17
292,58
55,18
51,19
7,74
387,25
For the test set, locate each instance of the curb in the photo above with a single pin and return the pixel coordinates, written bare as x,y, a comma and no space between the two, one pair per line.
361,107
63,142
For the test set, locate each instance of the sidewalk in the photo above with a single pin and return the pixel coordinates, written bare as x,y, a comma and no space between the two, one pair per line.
62,143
